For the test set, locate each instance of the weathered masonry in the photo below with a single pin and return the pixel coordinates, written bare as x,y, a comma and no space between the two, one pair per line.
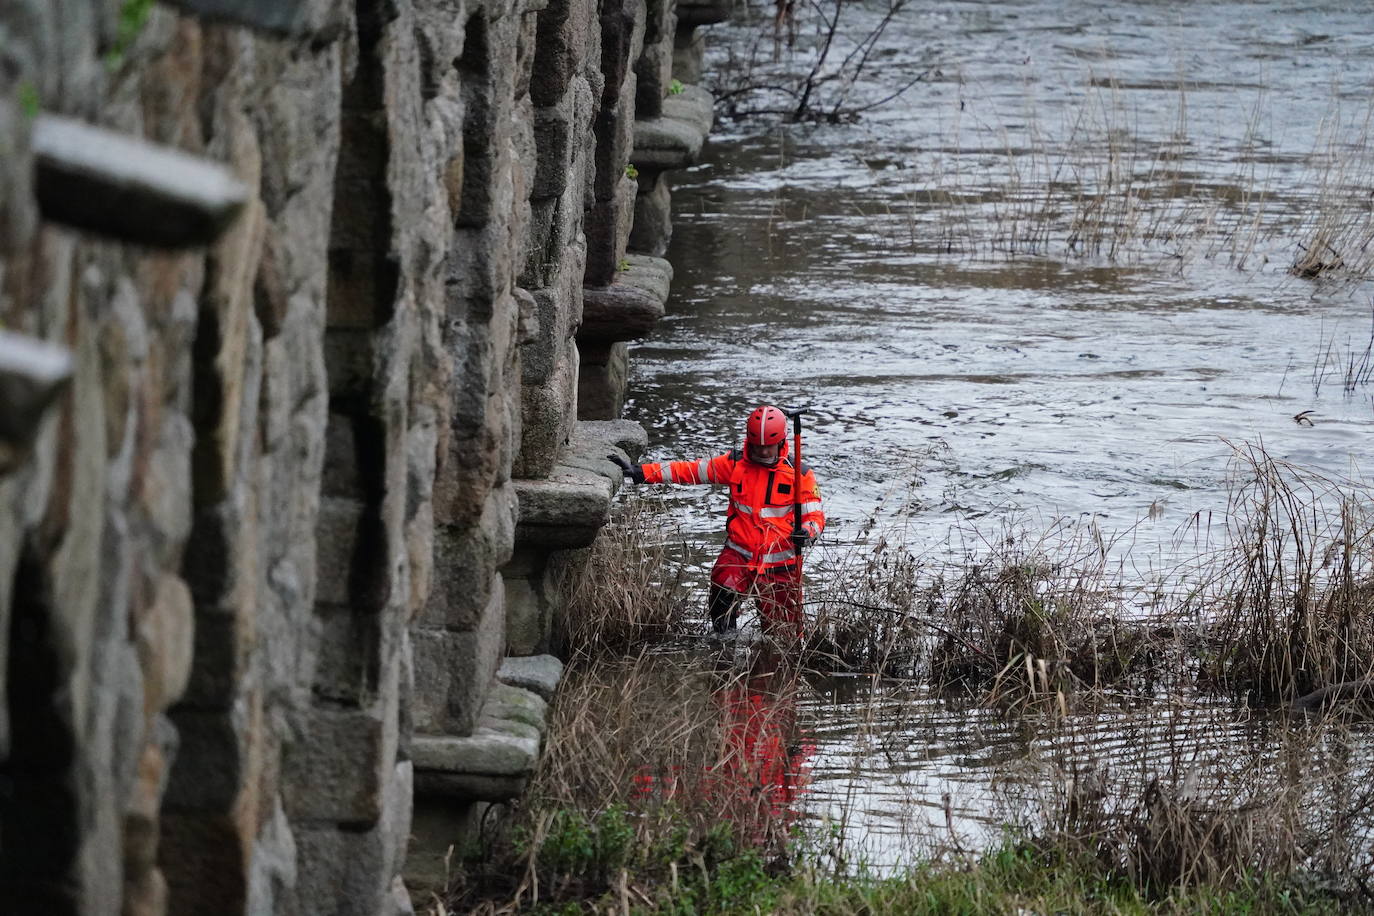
312,344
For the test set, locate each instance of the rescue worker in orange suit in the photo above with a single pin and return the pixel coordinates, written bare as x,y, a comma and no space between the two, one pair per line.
761,557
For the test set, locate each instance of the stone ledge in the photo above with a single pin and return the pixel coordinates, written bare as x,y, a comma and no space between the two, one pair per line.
495,762
673,140
626,435
617,312
485,752
513,710
631,306
651,274
32,374
566,509
96,179
538,673
692,13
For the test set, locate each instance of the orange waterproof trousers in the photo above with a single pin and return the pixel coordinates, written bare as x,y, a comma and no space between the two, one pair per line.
776,590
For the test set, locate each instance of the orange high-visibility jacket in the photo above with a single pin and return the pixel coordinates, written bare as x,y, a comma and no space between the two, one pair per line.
759,522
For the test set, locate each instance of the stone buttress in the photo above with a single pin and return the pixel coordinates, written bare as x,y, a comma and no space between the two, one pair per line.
312,346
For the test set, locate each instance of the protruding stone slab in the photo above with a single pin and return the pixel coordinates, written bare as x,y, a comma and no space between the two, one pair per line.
512,710
538,673
32,374
567,509
630,307
674,139
495,762
692,13
280,17
95,179
564,510
620,311
652,274
626,435
486,752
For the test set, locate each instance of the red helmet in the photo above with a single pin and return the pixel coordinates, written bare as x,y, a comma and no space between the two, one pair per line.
767,425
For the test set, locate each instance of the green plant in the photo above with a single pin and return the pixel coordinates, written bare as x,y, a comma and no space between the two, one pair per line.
631,171
29,101
740,884
577,844
622,265
676,87
133,16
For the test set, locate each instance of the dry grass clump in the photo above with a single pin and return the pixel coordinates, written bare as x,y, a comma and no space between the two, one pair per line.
653,764
1031,623
675,743
1337,232
1033,632
625,590
1181,817
868,607
1288,609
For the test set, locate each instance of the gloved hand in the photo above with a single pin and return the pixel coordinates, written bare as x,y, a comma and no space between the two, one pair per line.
633,472
800,540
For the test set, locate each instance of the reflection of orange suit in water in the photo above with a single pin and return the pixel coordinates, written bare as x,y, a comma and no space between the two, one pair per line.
764,767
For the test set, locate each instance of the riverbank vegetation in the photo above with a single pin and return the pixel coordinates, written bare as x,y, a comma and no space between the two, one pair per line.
663,791
674,781
1280,609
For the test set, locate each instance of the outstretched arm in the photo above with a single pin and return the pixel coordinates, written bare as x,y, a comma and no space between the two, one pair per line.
715,470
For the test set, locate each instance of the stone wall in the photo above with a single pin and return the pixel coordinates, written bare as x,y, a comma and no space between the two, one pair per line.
312,324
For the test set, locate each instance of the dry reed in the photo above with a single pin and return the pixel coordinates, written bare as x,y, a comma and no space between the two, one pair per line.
1181,815
625,590
1287,608
1028,623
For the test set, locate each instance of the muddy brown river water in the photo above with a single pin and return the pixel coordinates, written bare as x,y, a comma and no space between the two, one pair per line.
987,350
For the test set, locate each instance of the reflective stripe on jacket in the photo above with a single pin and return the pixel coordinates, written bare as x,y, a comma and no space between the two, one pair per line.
759,523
